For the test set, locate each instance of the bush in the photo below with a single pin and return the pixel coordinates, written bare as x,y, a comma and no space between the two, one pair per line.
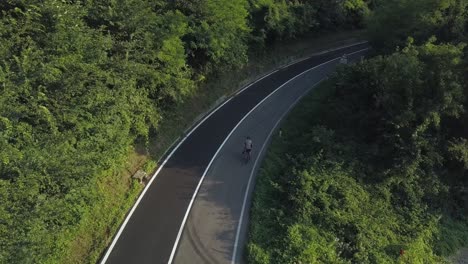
371,166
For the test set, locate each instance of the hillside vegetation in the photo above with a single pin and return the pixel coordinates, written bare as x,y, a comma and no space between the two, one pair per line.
82,82
372,167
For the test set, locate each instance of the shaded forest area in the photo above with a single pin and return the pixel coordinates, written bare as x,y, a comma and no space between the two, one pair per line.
373,166
82,81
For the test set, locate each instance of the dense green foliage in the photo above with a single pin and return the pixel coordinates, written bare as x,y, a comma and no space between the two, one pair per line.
395,20
81,81
376,161
273,19
373,164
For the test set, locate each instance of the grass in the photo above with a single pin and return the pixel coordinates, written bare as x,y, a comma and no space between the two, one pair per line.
117,189
118,193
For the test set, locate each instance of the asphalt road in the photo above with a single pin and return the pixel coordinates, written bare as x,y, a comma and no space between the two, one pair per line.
210,233
150,232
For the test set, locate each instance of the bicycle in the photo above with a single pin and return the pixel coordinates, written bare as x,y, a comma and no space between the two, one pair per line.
246,155
248,145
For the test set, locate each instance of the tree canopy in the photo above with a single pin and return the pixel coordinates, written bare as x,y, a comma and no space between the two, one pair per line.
396,20
372,167
81,81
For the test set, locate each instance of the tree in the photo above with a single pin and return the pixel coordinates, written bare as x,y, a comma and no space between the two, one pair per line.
420,19
398,102
217,34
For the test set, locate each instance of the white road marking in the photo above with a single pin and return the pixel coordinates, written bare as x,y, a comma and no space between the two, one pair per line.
179,234
239,225
241,218
323,52
124,224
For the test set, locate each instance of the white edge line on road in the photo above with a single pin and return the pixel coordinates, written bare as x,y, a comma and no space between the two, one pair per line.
216,154
122,227
239,225
244,203
229,97
179,234
323,52
129,215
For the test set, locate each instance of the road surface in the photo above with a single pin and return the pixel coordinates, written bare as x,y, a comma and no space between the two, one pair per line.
169,223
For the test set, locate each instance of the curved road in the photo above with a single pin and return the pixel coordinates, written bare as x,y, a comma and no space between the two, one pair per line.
194,209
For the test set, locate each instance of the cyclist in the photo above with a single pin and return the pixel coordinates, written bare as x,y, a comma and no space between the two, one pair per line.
248,145
344,59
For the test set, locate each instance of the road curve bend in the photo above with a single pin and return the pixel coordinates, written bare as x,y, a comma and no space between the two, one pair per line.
193,208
